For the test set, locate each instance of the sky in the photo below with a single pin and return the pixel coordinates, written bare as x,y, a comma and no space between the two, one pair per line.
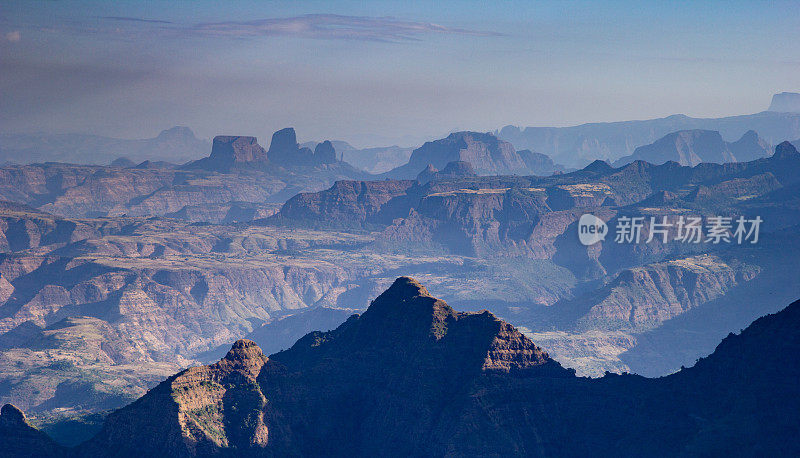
379,72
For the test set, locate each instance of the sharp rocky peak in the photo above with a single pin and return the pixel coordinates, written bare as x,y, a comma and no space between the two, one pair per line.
785,150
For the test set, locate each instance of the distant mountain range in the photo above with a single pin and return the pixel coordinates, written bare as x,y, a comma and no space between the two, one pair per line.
691,147
176,145
487,154
413,377
577,146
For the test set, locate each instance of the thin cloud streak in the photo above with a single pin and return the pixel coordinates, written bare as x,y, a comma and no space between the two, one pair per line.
332,27
136,19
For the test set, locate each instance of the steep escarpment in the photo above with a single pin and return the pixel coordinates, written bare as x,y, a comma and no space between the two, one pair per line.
347,204
643,297
228,152
442,350
413,374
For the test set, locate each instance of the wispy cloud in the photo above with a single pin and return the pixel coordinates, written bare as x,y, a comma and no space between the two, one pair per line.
14,36
333,27
136,19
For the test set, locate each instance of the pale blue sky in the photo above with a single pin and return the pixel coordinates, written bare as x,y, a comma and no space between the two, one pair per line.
385,72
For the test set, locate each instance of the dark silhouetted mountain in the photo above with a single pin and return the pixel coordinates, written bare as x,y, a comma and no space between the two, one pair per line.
786,151
785,102
324,153
576,146
177,145
691,147
20,439
286,152
411,377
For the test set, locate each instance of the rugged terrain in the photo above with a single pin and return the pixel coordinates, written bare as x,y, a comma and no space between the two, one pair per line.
462,384
95,310
236,182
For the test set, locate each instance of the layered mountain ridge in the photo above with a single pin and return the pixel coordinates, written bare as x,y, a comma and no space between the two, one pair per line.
576,146
412,376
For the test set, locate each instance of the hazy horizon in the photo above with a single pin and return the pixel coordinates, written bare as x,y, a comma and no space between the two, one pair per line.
387,72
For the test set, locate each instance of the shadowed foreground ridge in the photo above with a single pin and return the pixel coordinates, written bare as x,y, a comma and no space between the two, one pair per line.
411,376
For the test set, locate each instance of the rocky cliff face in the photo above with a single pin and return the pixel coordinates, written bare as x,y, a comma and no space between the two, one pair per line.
230,151
347,204
642,298
416,376
243,402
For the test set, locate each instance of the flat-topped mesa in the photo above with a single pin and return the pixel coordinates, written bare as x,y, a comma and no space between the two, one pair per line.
786,102
231,148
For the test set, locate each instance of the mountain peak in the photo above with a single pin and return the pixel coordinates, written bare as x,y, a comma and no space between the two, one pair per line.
785,150
12,415
177,132
599,166
407,288
244,349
